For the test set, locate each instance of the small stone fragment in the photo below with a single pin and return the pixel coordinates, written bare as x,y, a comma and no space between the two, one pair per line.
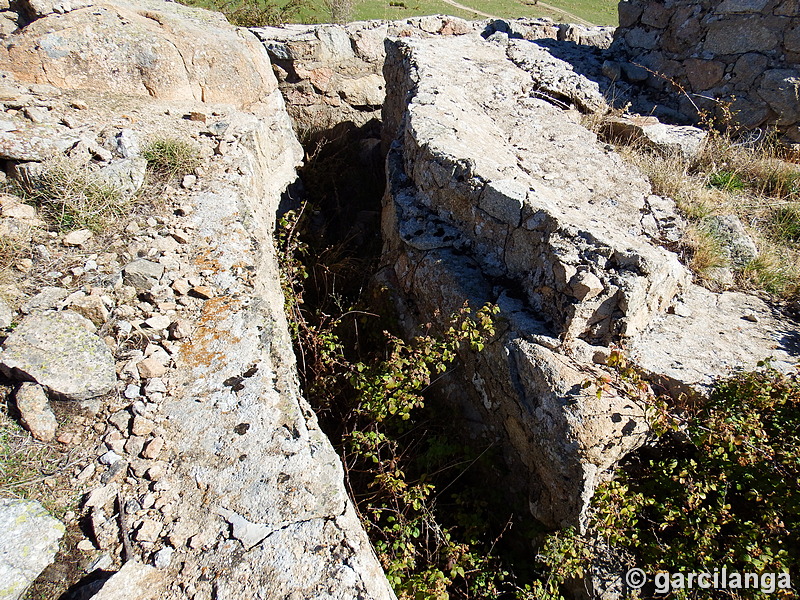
77,238
156,472
91,307
132,391
181,286
110,457
585,285
158,322
121,420
142,426
151,367
143,274
203,292
180,329
134,445
163,557
34,408
133,581
155,386
153,448
148,531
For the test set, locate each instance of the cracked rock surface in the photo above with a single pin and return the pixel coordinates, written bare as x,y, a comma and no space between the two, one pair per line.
498,193
203,470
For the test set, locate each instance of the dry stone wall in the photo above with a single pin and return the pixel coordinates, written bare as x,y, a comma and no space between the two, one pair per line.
745,52
497,193
332,74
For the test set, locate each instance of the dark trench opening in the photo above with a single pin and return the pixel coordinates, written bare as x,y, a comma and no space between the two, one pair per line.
471,531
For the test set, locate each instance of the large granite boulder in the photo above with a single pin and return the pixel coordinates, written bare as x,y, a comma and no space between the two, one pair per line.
160,49
61,352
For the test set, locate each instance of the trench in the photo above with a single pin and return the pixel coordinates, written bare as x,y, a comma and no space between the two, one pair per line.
344,311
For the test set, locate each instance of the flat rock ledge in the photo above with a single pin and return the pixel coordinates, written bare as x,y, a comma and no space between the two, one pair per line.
497,193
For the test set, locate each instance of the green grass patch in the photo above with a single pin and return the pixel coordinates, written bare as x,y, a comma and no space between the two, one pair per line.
726,180
255,13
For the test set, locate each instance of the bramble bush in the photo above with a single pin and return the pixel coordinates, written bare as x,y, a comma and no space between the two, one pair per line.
721,487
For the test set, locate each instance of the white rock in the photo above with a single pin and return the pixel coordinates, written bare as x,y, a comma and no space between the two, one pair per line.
28,543
110,457
77,238
158,322
163,557
132,391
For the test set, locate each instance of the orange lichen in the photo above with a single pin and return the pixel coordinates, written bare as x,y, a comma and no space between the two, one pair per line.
203,260
212,336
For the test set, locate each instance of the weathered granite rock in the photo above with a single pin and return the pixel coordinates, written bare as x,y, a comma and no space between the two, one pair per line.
738,246
497,196
60,352
332,73
262,475
35,9
34,409
683,139
28,544
165,50
48,298
126,175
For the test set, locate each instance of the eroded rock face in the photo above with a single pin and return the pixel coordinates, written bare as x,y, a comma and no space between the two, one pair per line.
147,48
497,195
272,477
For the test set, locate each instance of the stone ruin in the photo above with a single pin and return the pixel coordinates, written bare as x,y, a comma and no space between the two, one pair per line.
495,192
742,52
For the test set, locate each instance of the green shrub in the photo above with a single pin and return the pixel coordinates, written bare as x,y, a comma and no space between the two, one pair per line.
722,492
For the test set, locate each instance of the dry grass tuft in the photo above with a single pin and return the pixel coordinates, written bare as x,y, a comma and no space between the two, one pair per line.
169,158
70,196
754,179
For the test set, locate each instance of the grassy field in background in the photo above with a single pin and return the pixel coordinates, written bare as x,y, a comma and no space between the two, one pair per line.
599,12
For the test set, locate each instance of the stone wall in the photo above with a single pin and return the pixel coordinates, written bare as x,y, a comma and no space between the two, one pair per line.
746,52
331,74
497,193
